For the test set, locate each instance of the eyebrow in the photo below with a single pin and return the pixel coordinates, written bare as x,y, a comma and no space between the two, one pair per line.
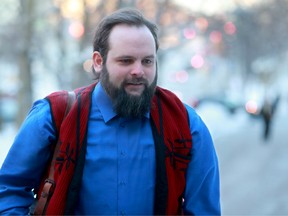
150,56
130,56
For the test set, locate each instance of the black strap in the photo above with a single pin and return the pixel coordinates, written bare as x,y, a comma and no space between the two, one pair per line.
75,185
161,187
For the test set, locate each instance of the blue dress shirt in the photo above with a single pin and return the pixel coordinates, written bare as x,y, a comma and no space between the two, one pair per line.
119,172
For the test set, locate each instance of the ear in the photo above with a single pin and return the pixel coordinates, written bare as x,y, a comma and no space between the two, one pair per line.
97,61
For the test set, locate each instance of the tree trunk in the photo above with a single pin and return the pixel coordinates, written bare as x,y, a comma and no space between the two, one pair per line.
24,96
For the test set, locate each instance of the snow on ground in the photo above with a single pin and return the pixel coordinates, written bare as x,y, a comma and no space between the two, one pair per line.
7,134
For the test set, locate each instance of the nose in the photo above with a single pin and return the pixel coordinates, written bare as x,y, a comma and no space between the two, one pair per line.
137,69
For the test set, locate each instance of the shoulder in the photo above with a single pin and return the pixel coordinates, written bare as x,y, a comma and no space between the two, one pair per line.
168,97
39,107
193,115
165,93
199,130
196,122
38,119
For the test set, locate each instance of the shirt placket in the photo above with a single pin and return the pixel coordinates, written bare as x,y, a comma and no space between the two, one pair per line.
122,174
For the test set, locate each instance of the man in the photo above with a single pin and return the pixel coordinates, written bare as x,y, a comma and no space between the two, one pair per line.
145,152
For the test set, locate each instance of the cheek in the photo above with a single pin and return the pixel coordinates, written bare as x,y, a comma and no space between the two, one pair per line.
116,75
151,75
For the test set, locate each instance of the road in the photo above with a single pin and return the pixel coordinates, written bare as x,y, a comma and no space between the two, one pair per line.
254,173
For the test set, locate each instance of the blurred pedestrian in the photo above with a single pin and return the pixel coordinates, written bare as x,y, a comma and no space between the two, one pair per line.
128,146
267,112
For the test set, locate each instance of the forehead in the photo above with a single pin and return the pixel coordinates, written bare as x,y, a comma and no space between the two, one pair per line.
127,38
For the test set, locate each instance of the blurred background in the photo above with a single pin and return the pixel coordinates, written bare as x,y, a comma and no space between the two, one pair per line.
227,59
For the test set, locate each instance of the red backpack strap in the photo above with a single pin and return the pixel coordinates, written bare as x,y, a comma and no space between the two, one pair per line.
173,143
58,101
60,104
69,165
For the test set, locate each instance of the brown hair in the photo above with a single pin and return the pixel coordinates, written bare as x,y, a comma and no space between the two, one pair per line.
127,16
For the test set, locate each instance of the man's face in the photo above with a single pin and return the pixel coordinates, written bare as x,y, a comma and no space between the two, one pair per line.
129,75
131,58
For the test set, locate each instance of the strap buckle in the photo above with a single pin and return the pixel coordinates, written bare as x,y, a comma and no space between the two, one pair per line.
48,189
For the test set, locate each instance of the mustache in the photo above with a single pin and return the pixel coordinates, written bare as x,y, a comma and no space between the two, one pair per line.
135,81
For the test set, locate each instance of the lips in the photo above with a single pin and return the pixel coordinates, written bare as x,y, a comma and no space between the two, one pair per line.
134,87
136,81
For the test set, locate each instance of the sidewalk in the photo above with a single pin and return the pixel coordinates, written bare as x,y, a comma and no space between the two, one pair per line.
254,173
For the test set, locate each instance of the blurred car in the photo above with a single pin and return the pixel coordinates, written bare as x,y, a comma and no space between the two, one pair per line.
222,118
229,105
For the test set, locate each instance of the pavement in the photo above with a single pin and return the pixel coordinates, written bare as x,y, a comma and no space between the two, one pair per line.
254,172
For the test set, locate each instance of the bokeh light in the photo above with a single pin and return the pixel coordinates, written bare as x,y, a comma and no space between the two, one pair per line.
182,76
189,33
197,61
230,28
201,23
87,65
76,29
215,37
251,107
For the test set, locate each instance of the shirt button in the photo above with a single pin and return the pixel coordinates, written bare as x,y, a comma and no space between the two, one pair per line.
122,124
122,183
123,213
122,153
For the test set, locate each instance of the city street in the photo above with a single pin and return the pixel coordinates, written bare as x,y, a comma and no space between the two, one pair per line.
254,173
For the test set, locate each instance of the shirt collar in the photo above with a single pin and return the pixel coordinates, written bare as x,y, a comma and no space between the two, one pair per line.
104,103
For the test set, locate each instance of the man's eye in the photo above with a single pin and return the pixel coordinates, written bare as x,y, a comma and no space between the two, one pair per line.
125,61
147,61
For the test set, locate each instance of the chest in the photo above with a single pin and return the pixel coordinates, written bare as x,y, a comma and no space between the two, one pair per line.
120,142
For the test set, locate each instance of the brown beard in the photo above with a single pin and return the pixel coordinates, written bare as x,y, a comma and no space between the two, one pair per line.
127,105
